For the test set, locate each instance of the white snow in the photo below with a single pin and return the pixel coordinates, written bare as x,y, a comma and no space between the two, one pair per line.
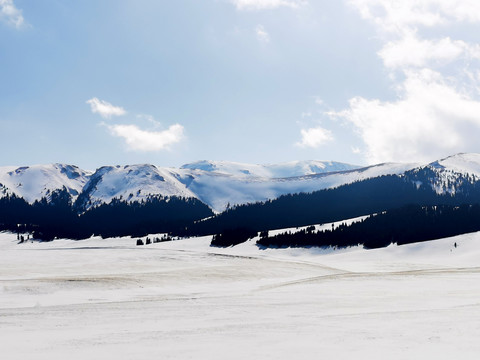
110,299
452,171
281,170
463,164
37,181
217,189
217,183
135,183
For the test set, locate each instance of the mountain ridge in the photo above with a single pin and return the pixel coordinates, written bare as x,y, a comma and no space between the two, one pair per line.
219,184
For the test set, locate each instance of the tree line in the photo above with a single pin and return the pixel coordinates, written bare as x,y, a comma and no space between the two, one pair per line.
408,224
58,217
347,201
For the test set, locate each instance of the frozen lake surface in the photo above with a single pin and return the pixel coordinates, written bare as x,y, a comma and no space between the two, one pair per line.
110,299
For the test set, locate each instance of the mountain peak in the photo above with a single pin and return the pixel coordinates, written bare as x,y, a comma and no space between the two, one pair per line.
37,181
462,163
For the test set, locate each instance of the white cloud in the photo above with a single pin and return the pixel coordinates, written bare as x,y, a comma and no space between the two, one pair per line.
399,21
315,137
10,14
266,4
105,109
429,119
262,34
398,15
142,140
413,52
435,112
135,137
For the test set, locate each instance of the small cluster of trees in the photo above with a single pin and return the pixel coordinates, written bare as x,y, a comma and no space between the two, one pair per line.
148,240
232,237
22,238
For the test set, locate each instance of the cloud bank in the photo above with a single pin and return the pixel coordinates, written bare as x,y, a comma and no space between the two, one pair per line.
437,84
430,118
396,16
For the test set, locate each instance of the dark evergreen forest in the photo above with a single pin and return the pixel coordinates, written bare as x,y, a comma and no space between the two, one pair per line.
347,201
58,217
406,225
232,237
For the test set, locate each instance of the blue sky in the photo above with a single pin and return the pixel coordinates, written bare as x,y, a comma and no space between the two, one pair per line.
103,82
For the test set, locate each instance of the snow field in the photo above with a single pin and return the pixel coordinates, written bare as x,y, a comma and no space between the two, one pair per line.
110,299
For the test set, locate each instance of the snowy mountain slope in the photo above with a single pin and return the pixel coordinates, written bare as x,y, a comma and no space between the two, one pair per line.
231,182
218,189
449,175
34,182
216,183
130,183
219,183
460,163
282,170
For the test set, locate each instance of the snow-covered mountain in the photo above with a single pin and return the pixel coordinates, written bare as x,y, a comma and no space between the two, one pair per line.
460,163
34,182
130,182
220,188
220,183
217,183
282,170
448,175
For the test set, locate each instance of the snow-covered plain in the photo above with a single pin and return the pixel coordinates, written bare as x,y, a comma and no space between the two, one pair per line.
110,299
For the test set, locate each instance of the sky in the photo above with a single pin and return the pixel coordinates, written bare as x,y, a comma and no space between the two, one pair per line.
105,82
